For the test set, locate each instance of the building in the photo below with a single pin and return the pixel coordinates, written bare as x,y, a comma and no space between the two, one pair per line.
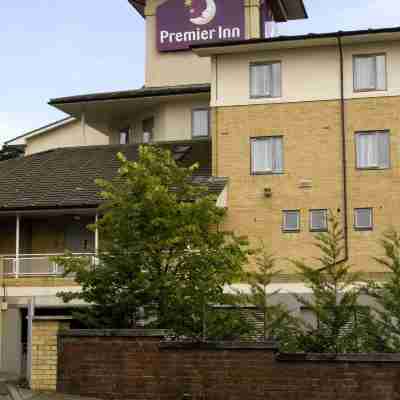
63,133
285,128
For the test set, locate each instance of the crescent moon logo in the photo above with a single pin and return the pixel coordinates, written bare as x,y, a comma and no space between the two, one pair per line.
207,15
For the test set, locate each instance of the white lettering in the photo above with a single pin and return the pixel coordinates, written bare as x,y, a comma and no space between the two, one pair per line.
189,36
171,37
204,35
212,31
179,36
163,35
236,33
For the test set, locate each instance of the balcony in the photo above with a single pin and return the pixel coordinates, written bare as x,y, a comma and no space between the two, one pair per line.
29,242
36,264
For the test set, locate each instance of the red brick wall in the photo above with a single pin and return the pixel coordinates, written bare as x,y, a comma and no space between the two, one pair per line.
115,367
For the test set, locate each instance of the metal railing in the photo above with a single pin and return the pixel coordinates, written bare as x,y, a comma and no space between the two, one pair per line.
36,264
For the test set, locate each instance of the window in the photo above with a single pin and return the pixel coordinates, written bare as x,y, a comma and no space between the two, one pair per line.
265,80
200,123
318,220
267,155
363,219
373,150
147,129
291,221
369,72
124,136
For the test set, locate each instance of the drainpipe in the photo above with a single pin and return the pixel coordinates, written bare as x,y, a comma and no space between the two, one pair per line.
344,151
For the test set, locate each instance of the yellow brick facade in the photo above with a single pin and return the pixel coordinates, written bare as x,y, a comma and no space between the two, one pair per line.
44,354
312,151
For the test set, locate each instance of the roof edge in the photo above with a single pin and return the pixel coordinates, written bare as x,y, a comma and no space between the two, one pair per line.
310,36
42,129
158,91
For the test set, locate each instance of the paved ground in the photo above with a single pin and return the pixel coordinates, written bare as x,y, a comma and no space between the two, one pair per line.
10,390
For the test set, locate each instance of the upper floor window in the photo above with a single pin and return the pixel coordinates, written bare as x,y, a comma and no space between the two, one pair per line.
373,150
267,155
369,72
265,80
148,130
200,122
124,136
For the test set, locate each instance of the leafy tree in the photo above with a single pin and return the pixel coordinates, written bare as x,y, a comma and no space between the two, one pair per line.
162,252
342,325
275,318
387,293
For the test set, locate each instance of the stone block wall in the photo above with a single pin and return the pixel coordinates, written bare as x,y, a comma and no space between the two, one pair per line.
45,353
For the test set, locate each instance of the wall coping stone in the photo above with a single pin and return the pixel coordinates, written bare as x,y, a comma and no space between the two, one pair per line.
220,345
161,333
52,318
339,358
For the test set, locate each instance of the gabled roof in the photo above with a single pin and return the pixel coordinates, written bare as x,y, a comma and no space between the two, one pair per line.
39,131
64,177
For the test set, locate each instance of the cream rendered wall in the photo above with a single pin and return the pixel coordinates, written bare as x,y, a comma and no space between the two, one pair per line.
65,136
172,120
184,67
308,74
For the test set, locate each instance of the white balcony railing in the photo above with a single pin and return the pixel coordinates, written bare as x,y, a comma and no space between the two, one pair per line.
36,264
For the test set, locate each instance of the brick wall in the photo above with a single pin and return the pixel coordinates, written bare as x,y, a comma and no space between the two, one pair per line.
137,367
45,353
312,151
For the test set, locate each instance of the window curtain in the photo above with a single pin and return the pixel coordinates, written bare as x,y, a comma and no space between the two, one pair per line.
266,80
373,150
365,73
200,123
267,154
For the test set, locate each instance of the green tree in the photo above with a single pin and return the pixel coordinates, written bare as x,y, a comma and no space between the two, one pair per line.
387,293
162,252
340,323
274,316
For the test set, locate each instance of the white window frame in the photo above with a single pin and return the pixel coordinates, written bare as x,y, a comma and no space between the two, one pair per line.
285,229
378,164
369,227
125,132
194,110
375,88
269,64
319,229
266,171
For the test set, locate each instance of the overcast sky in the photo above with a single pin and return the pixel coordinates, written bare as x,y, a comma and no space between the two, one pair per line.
53,48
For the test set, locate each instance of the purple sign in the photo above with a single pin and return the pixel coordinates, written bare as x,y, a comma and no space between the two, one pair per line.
267,20
182,23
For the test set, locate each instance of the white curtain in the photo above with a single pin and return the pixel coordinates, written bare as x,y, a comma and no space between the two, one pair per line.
367,150
373,150
200,123
265,80
365,73
381,72
267,154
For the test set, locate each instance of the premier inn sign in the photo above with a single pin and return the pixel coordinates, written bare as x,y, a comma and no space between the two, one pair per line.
182,23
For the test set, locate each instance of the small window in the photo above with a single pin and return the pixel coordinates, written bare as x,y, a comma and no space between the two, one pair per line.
318,220
124,136
267,155
147,129
373,150
369,72
363,219
265,80
200,123
291,221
